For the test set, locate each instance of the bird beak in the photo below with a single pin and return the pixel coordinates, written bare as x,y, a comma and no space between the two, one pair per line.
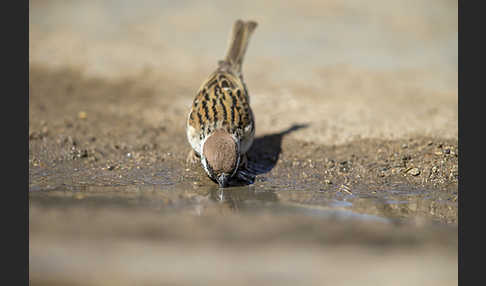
223,180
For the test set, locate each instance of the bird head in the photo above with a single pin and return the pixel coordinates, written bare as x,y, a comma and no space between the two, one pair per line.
220,157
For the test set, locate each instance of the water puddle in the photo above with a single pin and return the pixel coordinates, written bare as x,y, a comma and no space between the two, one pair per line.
385,206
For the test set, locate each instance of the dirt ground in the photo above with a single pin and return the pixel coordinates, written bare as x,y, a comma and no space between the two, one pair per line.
355,153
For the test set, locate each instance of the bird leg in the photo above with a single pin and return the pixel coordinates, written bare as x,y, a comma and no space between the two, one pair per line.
243,172
244,161
192,157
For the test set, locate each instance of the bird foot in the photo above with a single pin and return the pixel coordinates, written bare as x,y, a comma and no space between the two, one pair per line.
192,157
244,173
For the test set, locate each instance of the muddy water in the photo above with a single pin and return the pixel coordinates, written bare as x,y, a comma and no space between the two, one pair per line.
241,200
396,204
184,233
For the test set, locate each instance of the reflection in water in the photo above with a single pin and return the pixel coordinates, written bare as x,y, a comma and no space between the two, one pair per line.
249,200
208,200
242,198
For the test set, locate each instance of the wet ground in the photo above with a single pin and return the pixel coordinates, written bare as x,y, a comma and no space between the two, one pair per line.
356,148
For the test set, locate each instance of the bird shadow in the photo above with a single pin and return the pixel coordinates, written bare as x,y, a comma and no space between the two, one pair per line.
265,151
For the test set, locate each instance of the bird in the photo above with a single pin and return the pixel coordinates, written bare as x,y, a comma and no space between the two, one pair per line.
220,124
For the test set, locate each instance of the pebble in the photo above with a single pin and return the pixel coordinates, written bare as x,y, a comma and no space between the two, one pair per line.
33,135
82,115
328,182
83,153
414,172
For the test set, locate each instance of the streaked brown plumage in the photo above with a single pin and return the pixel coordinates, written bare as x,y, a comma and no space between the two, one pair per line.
221,111
222,102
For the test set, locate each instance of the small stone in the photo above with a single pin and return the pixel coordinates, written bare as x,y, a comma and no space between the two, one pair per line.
33,135
83,153
328,182
414,172
82,115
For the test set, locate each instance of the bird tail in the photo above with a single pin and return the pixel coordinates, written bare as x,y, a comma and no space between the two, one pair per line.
238,43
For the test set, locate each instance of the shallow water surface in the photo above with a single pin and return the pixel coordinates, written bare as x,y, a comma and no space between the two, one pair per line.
93,233
390,205
241,200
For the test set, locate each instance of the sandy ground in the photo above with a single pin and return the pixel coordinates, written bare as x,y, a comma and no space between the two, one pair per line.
383,70
356,124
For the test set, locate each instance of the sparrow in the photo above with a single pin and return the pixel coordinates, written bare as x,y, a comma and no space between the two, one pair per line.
220,125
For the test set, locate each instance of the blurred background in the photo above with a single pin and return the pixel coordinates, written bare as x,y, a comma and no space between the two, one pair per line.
112,203
384,69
